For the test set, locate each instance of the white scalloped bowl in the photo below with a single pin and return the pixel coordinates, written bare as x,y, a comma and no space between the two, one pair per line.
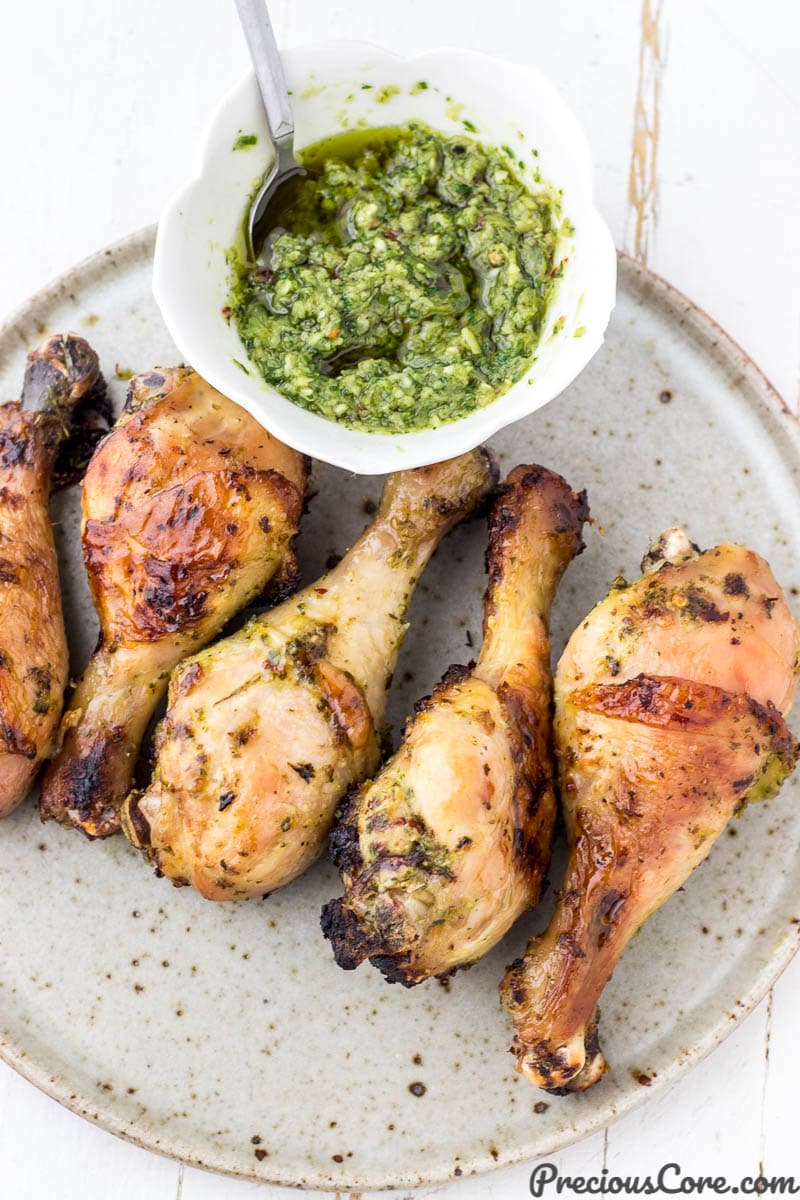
508,104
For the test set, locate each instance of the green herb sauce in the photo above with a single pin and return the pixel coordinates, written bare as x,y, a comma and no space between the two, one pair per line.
407,284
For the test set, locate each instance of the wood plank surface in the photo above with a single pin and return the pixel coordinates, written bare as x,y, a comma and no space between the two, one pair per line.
692,108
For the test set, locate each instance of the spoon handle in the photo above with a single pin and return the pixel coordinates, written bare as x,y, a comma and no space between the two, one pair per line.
254,18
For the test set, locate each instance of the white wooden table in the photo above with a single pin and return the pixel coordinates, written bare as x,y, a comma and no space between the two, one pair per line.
693,111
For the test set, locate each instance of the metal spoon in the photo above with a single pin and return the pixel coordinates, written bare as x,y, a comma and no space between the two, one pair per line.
273,193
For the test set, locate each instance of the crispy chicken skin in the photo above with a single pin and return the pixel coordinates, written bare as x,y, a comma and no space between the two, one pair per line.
670,706
444,849
33,649
267,729
189,509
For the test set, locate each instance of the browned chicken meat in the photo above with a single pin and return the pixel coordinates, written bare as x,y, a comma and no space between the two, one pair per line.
670,706
444,849
189,509
267,729
33,648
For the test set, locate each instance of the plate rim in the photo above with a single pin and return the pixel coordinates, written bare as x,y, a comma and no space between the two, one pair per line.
639,278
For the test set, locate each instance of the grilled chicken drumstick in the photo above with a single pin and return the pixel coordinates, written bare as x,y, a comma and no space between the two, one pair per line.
670,705
267,729
189,509
448,845
33,648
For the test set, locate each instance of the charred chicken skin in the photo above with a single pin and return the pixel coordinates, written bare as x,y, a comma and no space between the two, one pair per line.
267,729
33,648
670,706
443,850
189,509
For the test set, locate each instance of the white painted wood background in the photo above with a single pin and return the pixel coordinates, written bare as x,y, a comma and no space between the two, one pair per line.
102,103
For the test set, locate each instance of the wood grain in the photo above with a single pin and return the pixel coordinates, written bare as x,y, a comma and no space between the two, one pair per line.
643,175
102,121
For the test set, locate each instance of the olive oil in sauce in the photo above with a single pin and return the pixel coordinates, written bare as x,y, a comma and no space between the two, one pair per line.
407,282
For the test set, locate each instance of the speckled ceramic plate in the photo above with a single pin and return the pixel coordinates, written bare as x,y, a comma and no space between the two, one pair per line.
225,1035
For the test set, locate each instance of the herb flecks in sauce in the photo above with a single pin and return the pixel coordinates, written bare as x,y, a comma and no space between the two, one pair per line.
409,283
244,141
